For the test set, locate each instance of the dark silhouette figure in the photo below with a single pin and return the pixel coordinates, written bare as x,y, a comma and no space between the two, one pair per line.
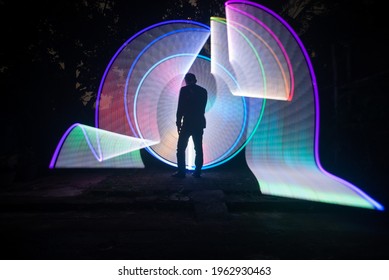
190,121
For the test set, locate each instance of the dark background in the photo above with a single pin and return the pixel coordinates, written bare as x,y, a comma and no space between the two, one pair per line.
54,53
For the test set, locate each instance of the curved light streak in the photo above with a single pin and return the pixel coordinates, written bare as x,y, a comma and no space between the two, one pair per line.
284,167
80,140
275,38
288,89
256,56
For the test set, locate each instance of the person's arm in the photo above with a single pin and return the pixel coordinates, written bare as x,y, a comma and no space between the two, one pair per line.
205,99
179,112
204,105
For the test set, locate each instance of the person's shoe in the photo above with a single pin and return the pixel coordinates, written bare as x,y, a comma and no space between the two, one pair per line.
196,174
178,174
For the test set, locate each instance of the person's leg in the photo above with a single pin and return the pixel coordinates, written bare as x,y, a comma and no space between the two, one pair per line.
197,137
182,143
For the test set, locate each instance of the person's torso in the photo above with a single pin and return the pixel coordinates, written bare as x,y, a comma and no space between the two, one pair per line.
194,102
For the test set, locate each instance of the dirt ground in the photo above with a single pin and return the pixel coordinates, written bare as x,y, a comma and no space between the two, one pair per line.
146,214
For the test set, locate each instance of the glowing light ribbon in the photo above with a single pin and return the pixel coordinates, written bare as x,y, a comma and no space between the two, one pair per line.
256,60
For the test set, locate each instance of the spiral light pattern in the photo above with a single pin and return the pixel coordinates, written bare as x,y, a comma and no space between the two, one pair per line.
262,95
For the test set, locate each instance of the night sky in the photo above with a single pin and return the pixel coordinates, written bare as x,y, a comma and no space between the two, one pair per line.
54,53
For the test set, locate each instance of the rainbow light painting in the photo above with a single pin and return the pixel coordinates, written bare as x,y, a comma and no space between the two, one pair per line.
262,96
283,154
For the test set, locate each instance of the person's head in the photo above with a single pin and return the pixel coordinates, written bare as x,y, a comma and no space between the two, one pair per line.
190,79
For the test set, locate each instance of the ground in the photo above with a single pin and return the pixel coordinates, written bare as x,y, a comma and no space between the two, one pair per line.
146,214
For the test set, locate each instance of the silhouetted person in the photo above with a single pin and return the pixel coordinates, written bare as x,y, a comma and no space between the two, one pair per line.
190,121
